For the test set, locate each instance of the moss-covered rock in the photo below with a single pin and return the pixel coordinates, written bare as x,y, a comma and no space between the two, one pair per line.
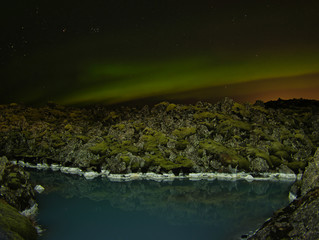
166,165
227,156
181,144
258,153
275,161
204,115
152,139
15,226
228,124
171,107
297,166
184,132
111,146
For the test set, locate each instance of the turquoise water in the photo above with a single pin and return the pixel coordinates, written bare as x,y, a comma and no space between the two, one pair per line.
74,208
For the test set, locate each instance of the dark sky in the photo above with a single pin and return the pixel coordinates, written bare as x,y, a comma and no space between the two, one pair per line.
76,52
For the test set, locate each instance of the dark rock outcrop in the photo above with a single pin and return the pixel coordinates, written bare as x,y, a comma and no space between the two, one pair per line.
310,177
300,219
15,187
16,194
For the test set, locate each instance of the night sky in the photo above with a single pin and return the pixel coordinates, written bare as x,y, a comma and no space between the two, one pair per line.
119,51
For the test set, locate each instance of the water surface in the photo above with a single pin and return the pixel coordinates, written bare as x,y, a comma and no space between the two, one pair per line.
72,207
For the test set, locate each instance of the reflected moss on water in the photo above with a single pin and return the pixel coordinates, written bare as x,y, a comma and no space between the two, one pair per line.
203,209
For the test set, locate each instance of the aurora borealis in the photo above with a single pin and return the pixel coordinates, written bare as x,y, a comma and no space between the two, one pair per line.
121,51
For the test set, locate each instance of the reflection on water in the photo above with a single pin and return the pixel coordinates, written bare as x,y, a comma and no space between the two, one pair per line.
74,208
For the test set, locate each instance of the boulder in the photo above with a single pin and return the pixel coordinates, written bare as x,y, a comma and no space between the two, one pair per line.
259,165
310,177
299,220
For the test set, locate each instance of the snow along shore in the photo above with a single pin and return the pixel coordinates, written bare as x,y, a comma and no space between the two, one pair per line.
163,177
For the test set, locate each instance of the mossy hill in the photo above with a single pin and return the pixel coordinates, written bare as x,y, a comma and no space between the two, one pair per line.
224,137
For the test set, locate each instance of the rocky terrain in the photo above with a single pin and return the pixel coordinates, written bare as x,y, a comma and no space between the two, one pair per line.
277,136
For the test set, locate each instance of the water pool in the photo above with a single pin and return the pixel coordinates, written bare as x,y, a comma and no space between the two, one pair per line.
72,207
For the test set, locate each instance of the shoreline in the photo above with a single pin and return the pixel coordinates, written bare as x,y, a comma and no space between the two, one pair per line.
267,176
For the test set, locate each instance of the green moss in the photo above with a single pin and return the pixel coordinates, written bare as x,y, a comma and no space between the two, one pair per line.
210,125
237,107
122,147
76,114
112,147
261,133
226,155
68,127
135,165
161,104
181,145
300,136
112,116
200,152
238,138
13,175
184,132
226,125
166,164
83,138
96,162
261,154
139,126
260,109
282,154
285,133
170,107
296,166
119,126
13,223
204,115
126,159
276,146
243,163
240,109
152,139
276,162
184,162
100,148
58,140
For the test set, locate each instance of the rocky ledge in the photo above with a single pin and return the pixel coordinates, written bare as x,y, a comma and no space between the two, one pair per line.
16,198
299,220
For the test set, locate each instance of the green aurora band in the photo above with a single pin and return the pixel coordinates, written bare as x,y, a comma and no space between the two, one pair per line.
69,79
120,82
